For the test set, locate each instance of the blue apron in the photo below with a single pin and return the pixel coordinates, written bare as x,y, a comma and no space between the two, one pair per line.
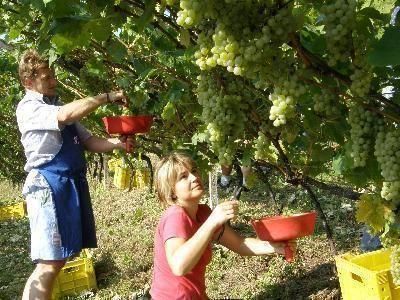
66,175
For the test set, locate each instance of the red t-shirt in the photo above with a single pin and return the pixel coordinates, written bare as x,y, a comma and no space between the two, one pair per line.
175,222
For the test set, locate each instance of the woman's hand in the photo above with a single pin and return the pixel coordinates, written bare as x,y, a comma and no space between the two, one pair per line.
223,212
280,247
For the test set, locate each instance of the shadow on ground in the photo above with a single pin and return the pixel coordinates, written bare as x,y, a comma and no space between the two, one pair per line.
319,284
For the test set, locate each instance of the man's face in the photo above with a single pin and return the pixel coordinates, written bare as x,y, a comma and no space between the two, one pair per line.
44,83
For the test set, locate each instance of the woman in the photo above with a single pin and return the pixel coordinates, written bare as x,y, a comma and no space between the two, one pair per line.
186,230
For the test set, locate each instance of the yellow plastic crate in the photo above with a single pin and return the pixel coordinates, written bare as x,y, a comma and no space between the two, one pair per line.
15,211
366,276
75,277
122,177
142,178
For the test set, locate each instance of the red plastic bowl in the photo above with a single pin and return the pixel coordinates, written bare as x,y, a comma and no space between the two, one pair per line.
127,125
285,228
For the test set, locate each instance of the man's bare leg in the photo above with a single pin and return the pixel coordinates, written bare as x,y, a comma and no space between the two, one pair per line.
40,284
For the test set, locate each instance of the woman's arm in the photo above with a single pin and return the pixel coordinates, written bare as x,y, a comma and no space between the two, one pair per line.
249,246
183,255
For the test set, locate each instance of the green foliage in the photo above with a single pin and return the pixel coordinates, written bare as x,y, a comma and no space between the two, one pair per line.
385,51
12,156
296,86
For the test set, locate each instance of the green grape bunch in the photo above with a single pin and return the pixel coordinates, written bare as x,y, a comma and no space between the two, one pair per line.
339,23
326,104
364,127
387,152
264,150
224,111
243,37
284,99
361,81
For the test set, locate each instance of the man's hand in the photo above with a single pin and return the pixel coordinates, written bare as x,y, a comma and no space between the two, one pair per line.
123,142
129,142
117,97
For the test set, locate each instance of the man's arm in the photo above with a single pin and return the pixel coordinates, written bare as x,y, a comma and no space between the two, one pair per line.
76,110
100,145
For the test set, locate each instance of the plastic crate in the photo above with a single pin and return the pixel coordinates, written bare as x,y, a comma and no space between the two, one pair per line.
15,211
75,277
366,276
142,178
122,177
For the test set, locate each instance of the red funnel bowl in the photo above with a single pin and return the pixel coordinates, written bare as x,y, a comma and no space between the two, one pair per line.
127,125
285,228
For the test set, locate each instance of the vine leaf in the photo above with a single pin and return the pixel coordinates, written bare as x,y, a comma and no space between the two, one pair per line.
52,56
175,92
96,67
321,154
313,41
373,13
100,29
341,163
117,51
184,37
371,210
199,137
147,15
70,33
386,51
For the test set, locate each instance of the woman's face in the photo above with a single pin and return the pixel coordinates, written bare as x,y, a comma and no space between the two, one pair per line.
188,186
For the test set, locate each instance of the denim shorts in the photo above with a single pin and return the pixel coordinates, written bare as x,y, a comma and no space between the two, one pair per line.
45,237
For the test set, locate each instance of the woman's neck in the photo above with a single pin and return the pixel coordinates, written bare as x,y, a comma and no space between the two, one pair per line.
190,208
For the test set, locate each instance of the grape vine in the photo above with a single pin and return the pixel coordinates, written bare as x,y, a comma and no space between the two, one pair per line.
220,76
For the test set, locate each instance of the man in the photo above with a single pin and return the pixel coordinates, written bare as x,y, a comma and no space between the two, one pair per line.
56,190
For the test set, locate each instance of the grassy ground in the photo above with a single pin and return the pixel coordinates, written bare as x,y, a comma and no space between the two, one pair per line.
123,262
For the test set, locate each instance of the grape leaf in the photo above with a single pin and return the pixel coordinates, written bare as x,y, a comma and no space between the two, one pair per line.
175,91
117,51
184,37
341,163
199,137
147,16
373,13
371,210
321,154
100,29
69,33
386,51
312,41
